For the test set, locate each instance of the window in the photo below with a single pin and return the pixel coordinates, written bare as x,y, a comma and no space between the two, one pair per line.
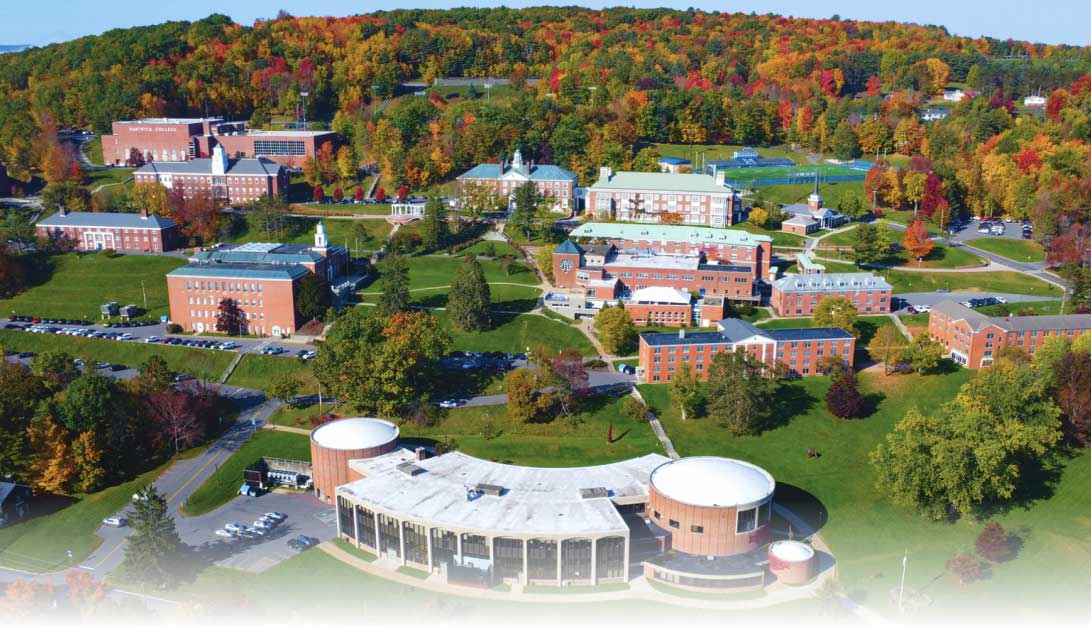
656,514
672,523
697,529
747,521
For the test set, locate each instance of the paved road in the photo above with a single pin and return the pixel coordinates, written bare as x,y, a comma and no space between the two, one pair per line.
599,380
932,298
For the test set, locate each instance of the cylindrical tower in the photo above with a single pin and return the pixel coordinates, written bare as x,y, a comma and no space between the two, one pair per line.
712,506
333,444
792,562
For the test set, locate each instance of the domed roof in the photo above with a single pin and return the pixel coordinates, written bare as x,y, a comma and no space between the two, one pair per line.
712,481
354,433
792,551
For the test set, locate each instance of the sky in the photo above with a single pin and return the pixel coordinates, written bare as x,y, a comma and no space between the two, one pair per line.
40,22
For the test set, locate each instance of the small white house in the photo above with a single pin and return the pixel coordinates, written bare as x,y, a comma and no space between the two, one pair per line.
1034,102
954,95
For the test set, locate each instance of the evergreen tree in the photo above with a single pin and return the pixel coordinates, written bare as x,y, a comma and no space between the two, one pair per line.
527,199
435,232
469,297
869,246
843,399
154,546
313,298
845,144
739,397
394,272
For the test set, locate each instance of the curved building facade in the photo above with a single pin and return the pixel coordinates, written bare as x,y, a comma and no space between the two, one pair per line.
335,443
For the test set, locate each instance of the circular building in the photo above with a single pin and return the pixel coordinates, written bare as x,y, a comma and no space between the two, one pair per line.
333,444
791,561
712,506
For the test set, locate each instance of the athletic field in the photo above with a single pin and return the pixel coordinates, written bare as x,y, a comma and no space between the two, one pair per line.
780,175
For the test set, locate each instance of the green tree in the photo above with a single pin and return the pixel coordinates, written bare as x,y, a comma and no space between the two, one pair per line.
435,232
739,396
887,346
313,297
284,386
869,245
86,403
544,259
154,549
527,201
615,329
836,311
23,392
394,272
56,369
154,374
469,298
845,144
685,390
646,160
925,353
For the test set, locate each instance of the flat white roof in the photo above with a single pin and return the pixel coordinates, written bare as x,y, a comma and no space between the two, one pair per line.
661,294
665,262
713,481
354,433
792,551
535,500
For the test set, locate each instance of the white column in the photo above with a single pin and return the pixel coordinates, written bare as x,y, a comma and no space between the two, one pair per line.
431,561
401,539
337,509
625,565
526,561
458,538
594,562
378,541
560,546
355,525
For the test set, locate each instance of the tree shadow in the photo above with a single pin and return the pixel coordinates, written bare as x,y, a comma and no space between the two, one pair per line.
621,435
1038,480
790,399
871,404
803,504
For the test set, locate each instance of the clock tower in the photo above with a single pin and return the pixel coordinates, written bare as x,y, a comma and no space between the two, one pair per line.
566,261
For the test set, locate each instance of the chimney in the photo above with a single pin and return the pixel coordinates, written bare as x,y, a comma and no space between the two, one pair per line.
63,211
719,177
772,274
421,453
605,173
144,214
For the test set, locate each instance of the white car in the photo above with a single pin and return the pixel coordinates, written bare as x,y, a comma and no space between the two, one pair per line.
234,527
229,345
277,516
227,534
450,403
151,339
1000,299
115,521
923,308
263,525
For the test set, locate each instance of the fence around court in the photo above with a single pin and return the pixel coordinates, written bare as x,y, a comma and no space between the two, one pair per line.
794,179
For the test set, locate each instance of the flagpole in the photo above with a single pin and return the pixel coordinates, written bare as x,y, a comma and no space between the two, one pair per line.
901,589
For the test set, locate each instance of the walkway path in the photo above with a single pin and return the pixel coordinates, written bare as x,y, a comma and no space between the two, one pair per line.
901,326
657,427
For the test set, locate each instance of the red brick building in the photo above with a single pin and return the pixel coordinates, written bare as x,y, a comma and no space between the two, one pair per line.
649,197
225,181
799,295
95,231
183,139
972,339
552,182
663,355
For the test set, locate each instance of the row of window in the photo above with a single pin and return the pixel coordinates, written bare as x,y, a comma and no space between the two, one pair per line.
223,286
253,316
745,520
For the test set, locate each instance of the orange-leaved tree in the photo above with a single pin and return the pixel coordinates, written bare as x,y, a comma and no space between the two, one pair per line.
917,242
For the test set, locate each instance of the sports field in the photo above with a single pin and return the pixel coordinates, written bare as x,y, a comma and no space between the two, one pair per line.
771,175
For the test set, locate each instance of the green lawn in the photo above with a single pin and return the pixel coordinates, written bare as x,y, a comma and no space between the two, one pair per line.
867,533
223,485
508,298
942,256
430,277
75,285
513,334
206,363
988,281
493,248
41,543
1038,307
832,193
694,152
257,371
780,238
299,230
563,442
1015,250
109,176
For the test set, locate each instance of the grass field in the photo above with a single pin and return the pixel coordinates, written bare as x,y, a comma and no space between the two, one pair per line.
75,285
41,543
780,238
868,534
204,363
802,174
1015,250
257,371
340,231
109,176
832,193
513,334
942,256
222,486
695,152
430,277
987,281
494,248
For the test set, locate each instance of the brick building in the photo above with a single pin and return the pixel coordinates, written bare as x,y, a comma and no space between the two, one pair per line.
811,216
183,139
807,266
662,355
972,339
94,231
552,182
692,199
261,277
798,295
658,306
224,180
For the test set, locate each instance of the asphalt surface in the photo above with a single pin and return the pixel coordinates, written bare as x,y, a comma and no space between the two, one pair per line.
932,298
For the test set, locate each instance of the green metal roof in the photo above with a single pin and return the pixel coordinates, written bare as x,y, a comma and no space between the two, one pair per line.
807,262
661,182
240,271
669,233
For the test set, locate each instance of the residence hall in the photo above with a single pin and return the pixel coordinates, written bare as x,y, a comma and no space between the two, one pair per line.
972,339
799,295
662,355
707,262
552,182
96,231
223,180
183,139
663,197
695,523
262,278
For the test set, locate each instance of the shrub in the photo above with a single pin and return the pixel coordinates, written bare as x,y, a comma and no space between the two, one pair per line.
995,544
595,363
108,253
174,328
966,567
635,409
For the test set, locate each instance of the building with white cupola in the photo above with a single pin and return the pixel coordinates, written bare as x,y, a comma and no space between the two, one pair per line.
222,180
553,182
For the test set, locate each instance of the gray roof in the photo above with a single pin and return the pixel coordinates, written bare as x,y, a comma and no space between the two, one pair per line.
258,253
6,488
241,271
106,219
662,182
828,282
978,321
248,167
800,219
543,172
734,330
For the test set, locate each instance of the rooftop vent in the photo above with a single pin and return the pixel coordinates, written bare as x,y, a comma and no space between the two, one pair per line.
489,489
410,469
595,492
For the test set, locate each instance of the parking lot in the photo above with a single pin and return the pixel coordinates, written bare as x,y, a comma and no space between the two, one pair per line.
924,301
306,515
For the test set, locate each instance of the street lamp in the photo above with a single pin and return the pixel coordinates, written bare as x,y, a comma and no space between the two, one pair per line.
488,92
304,95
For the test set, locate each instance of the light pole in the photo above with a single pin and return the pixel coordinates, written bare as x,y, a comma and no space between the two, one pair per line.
488,92
901,589
145,293
304,95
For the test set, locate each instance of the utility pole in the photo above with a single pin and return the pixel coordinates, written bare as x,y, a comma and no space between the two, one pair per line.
901,589
304,96
145,293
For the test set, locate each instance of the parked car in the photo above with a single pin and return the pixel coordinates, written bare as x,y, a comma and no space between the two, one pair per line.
262,525
923,308
150,339
279,516
234,527
1000,299
302,543
229,534
448,403
116,521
